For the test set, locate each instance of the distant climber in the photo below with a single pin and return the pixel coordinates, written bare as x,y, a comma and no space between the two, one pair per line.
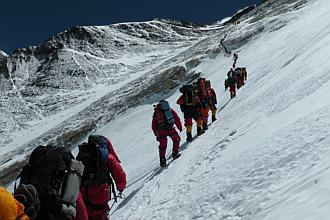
231,82
163,121
230,73
212,100
191,106
204,97
235,57
241,76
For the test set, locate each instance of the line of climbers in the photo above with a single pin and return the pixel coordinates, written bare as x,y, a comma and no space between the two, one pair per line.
196,101
235,79
227,52
56,186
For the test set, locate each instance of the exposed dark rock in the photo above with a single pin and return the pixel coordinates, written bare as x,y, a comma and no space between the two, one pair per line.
123,26
153,36
22,52
193,63
182,23
168,80
3,65
75,33
47,49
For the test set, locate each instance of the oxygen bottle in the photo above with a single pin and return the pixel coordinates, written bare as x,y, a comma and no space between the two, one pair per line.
72,188
202,87
167,112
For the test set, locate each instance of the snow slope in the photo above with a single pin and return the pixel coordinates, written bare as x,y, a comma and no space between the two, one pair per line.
266,157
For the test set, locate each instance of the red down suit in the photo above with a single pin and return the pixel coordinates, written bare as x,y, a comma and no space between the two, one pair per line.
163,130
96,197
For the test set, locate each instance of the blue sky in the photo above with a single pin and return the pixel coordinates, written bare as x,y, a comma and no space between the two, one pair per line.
26,23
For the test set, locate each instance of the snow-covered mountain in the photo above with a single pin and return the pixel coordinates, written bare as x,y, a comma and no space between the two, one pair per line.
267,155
97,72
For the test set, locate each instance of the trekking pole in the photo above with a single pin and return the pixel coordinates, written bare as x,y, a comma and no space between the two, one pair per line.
121,196
113,203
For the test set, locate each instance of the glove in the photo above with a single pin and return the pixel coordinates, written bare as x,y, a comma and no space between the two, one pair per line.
29,197
121,195
180,129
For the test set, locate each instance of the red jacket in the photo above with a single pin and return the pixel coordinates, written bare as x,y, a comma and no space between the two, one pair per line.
111,150
117,173
100,194
213,96
81,209
177,122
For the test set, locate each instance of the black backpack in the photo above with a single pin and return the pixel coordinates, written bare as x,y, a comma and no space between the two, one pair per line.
47,170
94,156
189,94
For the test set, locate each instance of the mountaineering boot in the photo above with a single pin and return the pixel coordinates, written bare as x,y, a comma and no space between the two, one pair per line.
213,118
189,137
163,162
205,127
175,155
200,131
232,94
200,128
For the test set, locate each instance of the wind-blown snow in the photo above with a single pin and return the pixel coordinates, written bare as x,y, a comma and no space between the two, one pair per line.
267,155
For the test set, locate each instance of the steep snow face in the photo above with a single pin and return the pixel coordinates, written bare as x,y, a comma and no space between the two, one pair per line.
266,157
